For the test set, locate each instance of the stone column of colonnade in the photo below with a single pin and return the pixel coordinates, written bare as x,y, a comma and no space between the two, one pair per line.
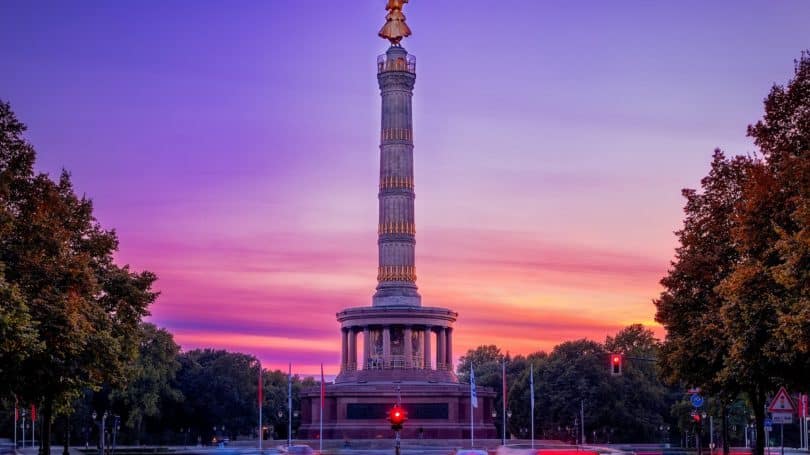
344,348
408,351
449,349
427,348
366,347
352,360
441,345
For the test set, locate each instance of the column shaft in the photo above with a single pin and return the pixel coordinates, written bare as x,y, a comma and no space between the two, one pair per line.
366,348
386,347
396,273
355,333
427,348
352,350
344,350
408,351
440,347
449,354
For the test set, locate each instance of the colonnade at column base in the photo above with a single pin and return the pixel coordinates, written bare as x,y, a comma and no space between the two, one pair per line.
397,341
389,376
357,411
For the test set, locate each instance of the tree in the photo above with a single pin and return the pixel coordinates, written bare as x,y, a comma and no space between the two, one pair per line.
643,395
768,292
220,390
18,334
736,304
487,364
151,387
782,191
85,308
695,347
484,359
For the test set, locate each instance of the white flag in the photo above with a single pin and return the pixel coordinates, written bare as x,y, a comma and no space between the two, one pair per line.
531,382
473,392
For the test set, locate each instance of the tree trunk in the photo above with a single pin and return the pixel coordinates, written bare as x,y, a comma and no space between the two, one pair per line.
45,432
724,430
66,447
758,403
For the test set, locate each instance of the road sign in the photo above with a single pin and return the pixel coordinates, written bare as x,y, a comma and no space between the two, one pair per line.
782,417
768,424
782,403
697,400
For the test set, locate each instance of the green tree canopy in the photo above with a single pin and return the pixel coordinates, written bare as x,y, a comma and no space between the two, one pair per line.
737,298
85,309
151,385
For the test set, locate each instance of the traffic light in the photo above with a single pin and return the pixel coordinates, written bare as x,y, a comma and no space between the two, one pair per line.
616,364
696,416
397,416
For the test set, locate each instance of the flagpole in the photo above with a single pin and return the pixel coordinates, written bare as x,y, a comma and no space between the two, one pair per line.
289,406
323,393
472,411
503,414
531,379
261,399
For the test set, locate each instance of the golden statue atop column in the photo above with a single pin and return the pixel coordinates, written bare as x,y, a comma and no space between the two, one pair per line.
395,27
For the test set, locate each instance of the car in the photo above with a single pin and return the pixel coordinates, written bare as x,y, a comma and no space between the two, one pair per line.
300,450
471,452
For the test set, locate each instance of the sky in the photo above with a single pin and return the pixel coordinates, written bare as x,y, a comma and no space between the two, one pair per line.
233,146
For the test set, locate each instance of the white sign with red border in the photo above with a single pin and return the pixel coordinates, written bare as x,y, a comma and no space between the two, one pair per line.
782,403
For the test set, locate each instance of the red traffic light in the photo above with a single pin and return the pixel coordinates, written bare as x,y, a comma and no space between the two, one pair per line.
616,364
397,416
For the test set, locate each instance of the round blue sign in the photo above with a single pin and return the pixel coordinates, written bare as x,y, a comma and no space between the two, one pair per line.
768,424
697,400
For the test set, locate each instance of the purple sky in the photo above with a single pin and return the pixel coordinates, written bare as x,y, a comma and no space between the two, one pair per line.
234,148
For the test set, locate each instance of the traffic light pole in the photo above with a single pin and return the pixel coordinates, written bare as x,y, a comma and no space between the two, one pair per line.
396,446
782,437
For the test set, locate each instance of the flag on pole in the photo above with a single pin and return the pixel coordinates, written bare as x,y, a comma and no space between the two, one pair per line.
473,392
33,413
16,410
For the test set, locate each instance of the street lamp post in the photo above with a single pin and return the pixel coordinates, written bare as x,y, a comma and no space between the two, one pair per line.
102,430
495,417
22,426
280,415
116,428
